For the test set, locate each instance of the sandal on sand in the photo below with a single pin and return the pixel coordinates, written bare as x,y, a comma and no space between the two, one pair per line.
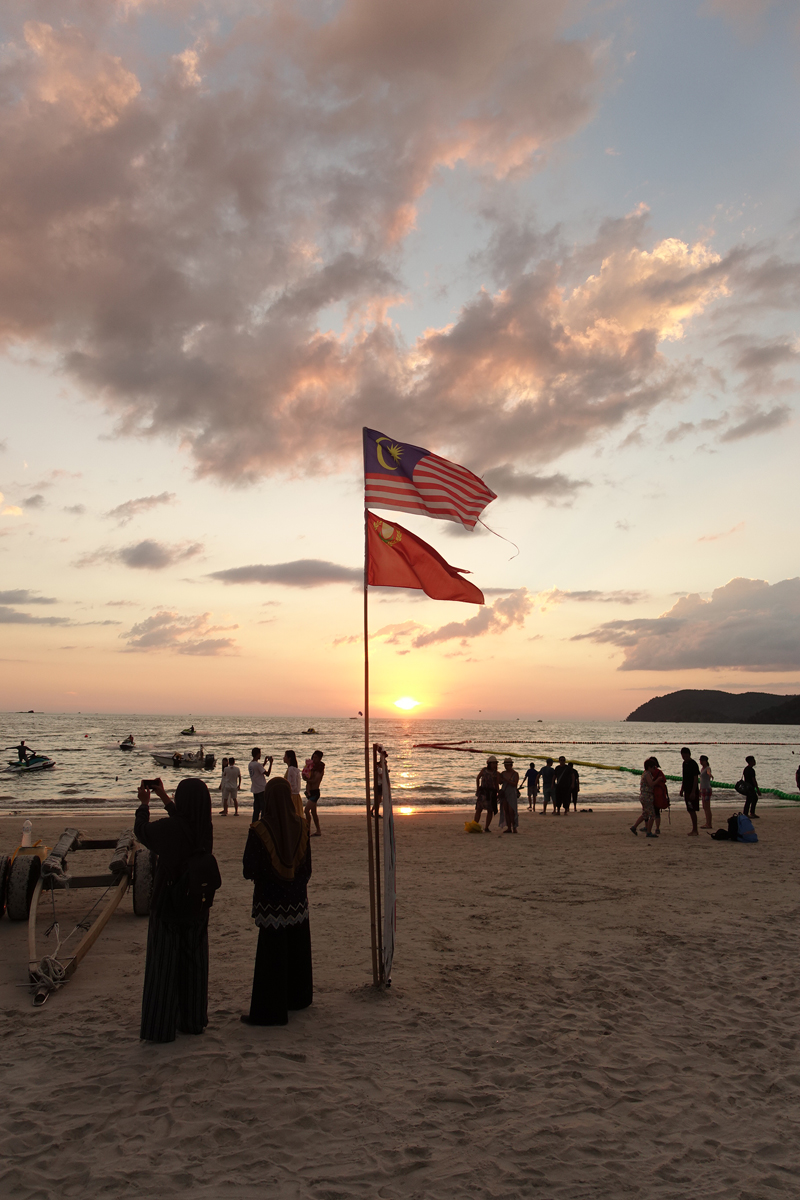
634,831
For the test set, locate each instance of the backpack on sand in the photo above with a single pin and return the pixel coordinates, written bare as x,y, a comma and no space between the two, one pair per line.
745,830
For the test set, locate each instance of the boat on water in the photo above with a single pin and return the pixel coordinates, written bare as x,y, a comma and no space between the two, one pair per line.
183,759
310,729
36,762
188,732
128,743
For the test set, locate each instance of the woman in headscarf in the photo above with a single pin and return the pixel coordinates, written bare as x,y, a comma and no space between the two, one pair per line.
175,995
278,858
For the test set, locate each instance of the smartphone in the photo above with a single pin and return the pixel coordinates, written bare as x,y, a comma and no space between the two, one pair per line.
150,783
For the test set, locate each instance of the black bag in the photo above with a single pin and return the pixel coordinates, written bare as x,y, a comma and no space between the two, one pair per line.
733,827
189,898
741,787
720,835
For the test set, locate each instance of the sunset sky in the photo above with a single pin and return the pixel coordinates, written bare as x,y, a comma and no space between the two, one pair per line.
556,242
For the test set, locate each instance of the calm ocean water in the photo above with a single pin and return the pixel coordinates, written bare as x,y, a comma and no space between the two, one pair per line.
92,773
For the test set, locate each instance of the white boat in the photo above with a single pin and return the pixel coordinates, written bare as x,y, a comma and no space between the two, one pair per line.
180,758
36,762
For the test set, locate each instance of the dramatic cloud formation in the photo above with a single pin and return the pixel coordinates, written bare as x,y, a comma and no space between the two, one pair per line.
183,635
303,572
147,555
23,596
491,619
181,236
124,513
747,624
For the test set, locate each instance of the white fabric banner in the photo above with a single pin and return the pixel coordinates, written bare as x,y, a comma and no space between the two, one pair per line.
389,861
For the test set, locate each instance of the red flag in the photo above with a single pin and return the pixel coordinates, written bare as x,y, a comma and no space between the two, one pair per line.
397,558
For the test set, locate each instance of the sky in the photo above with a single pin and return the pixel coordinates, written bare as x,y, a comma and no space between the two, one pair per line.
556,242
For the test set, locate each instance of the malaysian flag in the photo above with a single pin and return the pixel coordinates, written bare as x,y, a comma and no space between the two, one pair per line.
410,479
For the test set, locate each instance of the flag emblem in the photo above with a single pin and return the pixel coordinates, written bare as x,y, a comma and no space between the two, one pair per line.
410,479
390,535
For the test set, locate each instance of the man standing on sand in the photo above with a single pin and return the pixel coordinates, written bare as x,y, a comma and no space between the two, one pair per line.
487,782
258,780
531,777
562,781
231,782
312,791
547,775
690,788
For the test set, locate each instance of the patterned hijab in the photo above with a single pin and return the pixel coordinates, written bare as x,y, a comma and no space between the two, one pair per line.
283,832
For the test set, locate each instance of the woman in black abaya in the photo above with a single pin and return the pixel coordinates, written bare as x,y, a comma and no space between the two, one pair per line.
278,858
175,995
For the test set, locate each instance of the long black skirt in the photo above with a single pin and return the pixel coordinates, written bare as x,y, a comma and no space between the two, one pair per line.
175,995
282,980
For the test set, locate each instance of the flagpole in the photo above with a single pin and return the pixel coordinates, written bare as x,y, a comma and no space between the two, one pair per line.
368,764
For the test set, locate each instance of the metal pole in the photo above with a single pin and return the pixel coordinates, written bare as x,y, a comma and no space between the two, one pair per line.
367,772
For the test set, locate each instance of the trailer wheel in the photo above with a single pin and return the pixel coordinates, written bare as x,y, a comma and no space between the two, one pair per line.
144,873
5,863
22,880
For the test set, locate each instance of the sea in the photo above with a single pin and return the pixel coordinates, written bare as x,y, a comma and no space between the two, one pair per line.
433,763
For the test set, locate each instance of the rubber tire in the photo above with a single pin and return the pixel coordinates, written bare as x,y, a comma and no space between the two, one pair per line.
5,863
144,875
25,872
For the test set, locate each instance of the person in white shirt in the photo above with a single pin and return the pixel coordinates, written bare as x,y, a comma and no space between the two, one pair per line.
231,782
258,780
294,779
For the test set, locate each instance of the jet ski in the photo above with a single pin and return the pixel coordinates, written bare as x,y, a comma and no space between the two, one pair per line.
128,743
188,732
36,762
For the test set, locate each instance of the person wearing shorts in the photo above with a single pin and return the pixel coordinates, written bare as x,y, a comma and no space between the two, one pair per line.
313,790
487,784
705,789
531,777
690,788
231,782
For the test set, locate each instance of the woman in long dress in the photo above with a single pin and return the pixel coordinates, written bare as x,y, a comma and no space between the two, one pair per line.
294,779
277,858
175,994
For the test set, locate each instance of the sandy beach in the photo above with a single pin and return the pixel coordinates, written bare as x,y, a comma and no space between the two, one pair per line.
575,1012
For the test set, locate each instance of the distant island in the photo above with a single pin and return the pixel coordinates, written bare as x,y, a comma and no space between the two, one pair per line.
706,707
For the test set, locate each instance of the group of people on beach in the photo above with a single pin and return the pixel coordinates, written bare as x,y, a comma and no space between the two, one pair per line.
695,789
500,790
260,772
277,858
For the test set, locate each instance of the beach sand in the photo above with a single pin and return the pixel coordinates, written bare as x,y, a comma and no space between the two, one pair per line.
575,1013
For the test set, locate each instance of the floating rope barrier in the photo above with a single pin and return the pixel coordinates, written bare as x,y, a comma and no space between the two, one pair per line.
533,742
576,762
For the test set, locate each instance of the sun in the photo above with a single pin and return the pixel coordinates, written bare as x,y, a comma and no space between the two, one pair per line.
406,702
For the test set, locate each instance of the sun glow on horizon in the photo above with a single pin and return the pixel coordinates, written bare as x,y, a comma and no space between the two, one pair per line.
406,703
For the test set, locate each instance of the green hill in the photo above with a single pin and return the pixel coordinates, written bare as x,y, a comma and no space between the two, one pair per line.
708,707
